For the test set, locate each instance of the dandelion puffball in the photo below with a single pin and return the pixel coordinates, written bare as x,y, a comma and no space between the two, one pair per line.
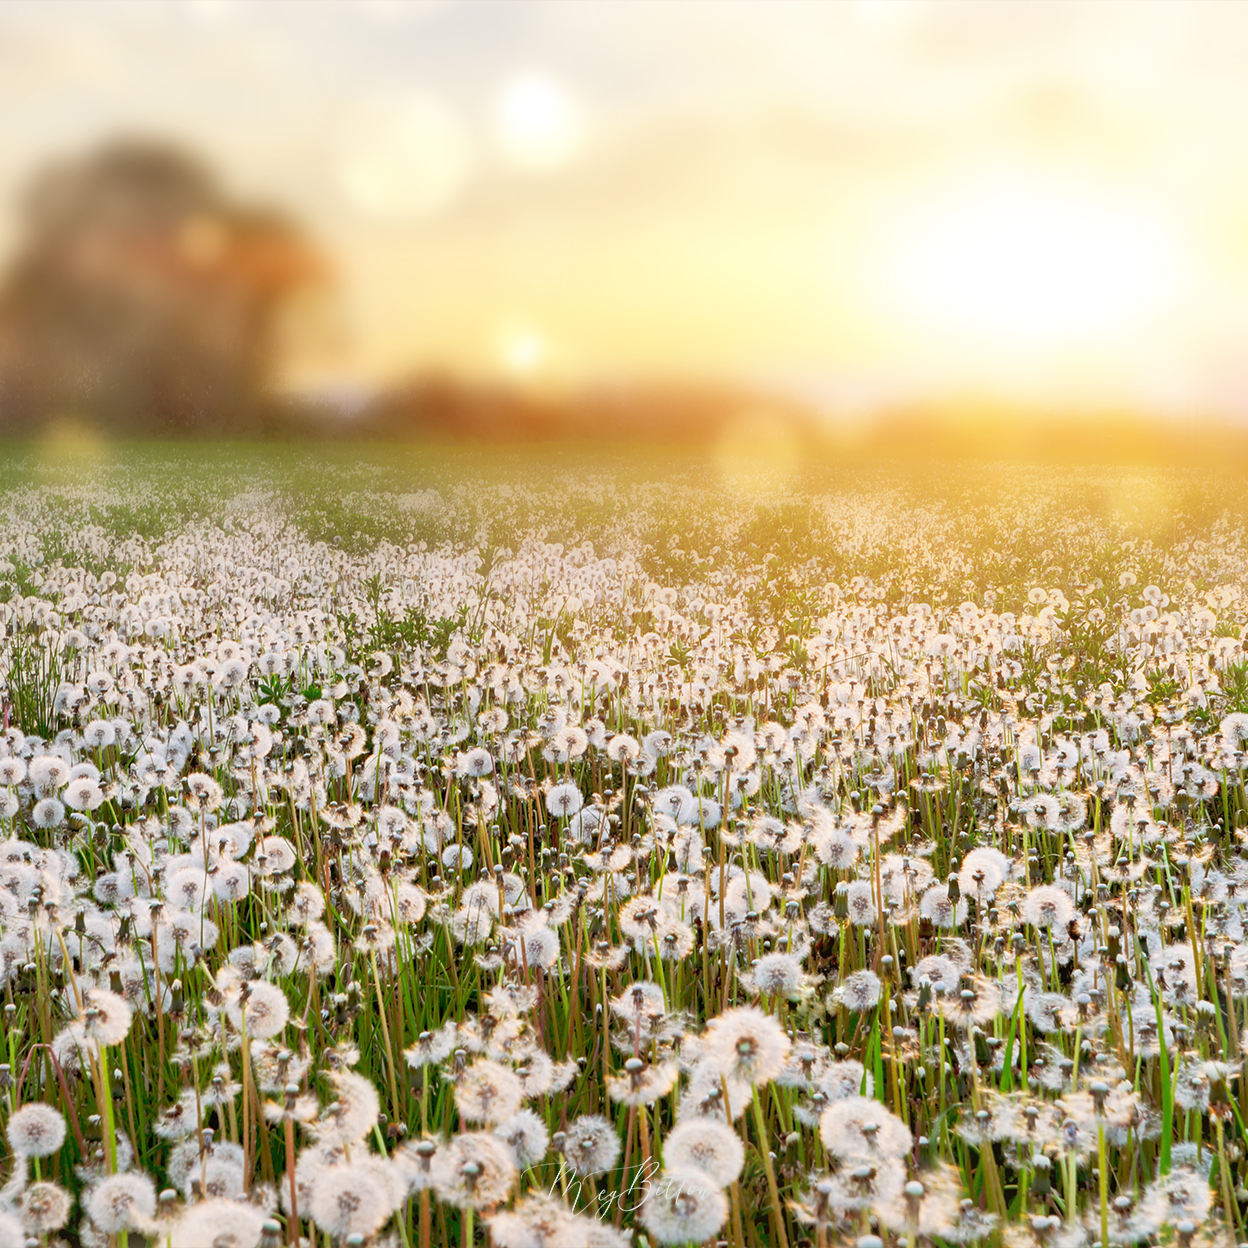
36,1130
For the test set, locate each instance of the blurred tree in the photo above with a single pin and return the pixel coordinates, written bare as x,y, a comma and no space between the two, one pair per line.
142,299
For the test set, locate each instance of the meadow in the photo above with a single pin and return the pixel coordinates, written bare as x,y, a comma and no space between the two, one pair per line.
554,849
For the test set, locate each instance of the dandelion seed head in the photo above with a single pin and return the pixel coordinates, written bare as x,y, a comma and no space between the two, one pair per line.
265,1011
526,1135
487,1092
858,1129
219,1223
683,1206
538,1221
45,1207
777,975
350,1199
36,1130
1048,908
590,1145
475,1169
122,1202
746,1044
708,1145
106,1017
860,991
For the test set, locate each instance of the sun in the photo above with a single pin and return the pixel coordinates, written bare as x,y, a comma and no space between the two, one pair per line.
1033,265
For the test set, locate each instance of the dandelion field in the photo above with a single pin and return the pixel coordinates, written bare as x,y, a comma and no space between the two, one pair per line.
548,850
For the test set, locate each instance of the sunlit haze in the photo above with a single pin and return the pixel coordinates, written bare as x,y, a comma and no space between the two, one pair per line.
860,203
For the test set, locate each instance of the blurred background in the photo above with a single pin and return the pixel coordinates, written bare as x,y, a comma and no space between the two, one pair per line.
541,218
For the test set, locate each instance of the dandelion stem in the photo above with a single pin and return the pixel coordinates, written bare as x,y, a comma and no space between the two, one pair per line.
777,1214
1102,1165
385,1037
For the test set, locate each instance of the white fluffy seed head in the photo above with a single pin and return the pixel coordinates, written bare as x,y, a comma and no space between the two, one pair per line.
861,1130
105,1017
682,1207
709,1145
591,1145
349,1200
474,1170
122,1202
36,1130
488,1092
265,1012
526,1135
746,1044
45,1206
221,1223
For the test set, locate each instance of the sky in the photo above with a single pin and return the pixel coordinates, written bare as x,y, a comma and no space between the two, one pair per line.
861,201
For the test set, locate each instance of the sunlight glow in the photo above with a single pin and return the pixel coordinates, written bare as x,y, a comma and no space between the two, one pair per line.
403,157
523,350
886,17
539,125
1034,265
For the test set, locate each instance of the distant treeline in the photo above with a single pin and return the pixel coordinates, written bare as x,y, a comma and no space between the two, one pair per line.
442,408
445,408
979,430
